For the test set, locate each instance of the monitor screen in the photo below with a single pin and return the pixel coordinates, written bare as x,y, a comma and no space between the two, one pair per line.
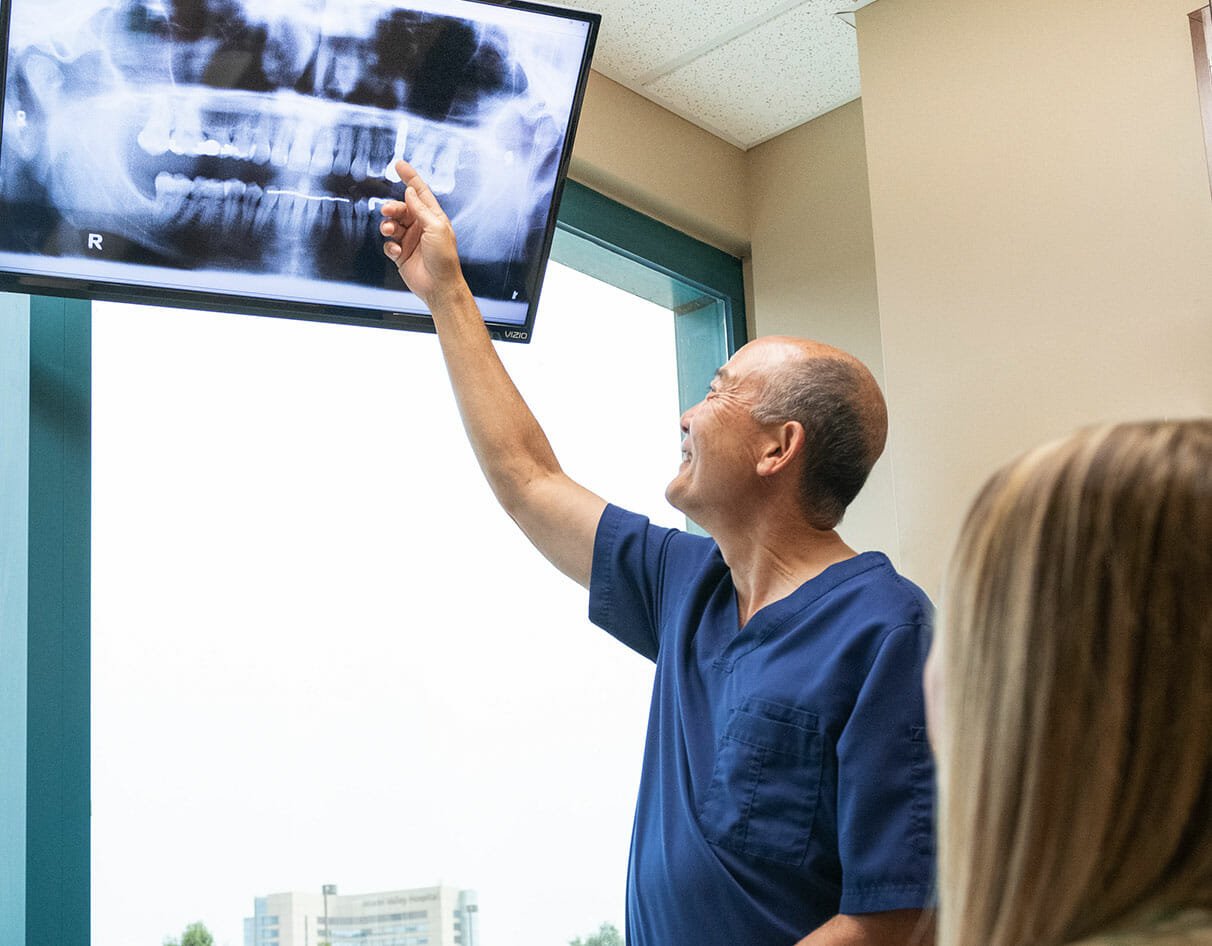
234,154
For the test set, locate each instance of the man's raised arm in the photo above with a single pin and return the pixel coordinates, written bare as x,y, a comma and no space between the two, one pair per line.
558,515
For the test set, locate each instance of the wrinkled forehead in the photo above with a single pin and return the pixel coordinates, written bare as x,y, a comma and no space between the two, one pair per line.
759,358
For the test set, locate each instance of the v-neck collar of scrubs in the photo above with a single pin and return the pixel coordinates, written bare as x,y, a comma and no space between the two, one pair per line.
770,618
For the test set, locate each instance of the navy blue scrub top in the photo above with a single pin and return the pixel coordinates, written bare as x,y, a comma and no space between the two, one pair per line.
786,775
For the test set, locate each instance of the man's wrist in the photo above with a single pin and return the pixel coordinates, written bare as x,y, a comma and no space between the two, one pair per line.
448,298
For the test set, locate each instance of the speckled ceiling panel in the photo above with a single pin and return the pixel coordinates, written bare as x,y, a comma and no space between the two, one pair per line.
640,36
745,70
783,73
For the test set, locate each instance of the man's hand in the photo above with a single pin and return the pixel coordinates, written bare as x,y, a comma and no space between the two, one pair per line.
420,240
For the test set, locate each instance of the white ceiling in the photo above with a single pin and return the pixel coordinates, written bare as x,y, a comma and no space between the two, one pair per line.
745,70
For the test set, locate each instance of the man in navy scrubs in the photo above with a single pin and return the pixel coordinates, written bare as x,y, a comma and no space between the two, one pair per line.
787,783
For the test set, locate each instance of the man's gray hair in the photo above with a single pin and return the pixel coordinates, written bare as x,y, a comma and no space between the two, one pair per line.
831,398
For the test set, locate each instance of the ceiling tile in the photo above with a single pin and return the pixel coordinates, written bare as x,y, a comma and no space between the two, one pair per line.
787,71
639,37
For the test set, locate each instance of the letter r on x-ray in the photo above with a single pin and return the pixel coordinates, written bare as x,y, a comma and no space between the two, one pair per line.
94,241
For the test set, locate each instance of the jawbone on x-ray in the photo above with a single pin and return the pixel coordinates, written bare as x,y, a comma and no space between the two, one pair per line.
253,136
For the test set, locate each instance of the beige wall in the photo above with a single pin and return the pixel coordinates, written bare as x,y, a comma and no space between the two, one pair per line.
646,157
1038,217
1043,233
813,268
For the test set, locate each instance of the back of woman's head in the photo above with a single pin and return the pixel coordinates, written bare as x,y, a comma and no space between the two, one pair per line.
1075,738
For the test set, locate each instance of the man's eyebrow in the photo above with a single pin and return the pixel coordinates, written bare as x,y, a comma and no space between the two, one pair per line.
721,374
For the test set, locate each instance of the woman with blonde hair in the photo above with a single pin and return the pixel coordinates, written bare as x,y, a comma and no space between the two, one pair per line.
1070,696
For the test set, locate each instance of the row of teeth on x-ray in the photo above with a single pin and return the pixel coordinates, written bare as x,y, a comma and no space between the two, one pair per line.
298,144
237,205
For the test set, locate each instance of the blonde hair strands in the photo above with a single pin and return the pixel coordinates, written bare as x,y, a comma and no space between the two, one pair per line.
1075,752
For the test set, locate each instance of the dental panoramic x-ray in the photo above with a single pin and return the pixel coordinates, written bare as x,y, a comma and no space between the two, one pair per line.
237,152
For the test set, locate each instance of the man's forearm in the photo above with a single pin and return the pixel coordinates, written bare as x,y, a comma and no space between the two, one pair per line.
508,442
559,516
892,928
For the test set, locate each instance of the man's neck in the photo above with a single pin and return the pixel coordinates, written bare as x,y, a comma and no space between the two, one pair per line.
769,561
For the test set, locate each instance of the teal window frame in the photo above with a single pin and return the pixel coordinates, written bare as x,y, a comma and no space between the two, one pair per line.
703,286
45,537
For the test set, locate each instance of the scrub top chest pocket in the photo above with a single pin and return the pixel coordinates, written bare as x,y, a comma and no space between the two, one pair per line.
766,781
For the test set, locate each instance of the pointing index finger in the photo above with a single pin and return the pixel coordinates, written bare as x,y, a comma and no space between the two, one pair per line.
408,174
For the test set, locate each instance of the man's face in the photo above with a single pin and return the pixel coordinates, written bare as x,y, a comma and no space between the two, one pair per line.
721,440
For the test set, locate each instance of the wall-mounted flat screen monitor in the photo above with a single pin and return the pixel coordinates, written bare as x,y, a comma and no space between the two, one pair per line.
234,154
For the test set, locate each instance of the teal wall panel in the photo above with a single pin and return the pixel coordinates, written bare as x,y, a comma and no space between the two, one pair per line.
14,593
57,737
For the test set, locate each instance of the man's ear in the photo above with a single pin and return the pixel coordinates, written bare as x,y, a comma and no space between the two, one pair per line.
784,443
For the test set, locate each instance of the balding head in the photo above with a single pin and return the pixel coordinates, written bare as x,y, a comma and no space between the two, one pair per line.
833,396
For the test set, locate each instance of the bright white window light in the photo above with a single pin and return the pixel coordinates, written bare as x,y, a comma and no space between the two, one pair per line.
322,653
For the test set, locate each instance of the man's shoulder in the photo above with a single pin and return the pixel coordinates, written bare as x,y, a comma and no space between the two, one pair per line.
618,525
871,580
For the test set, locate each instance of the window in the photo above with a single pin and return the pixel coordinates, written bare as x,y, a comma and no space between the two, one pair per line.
321,652
361,486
